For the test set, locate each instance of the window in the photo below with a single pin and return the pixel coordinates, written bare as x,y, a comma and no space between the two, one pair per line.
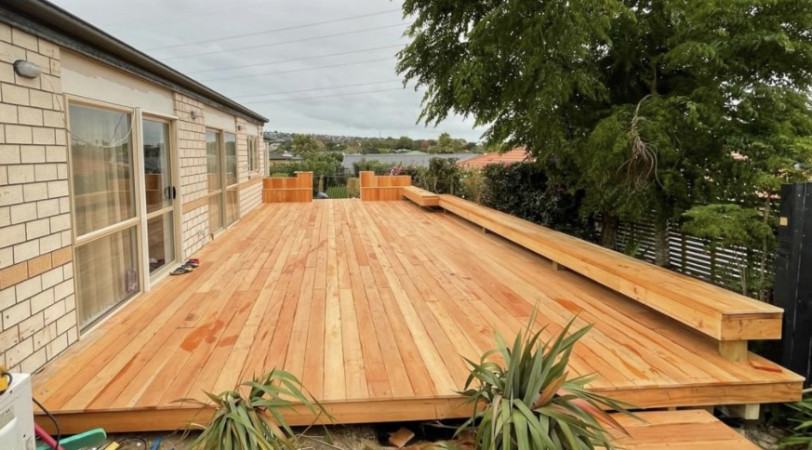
106,233
253,161
215,181
232,195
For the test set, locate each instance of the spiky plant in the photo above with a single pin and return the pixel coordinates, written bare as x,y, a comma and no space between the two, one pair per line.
530,403
801,416
254,421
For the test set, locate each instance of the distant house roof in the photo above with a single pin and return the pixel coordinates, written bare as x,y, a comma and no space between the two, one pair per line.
513,156
275,156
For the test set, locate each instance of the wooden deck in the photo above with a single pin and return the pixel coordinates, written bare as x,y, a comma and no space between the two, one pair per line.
372,305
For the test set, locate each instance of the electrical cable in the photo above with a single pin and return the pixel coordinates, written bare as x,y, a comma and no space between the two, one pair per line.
53,419
297,70
140,439
323,96
350,52
276,30
294,41
315,89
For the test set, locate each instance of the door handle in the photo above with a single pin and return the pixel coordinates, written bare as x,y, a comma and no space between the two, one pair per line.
174,193
168,193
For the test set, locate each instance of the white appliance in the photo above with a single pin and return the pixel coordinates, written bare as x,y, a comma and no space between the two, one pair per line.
17,415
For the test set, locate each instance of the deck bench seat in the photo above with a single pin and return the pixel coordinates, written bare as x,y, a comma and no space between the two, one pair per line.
730,318
420,196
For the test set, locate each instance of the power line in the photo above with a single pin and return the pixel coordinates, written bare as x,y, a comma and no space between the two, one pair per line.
297,70
315,38
323,96
277,30
299,59
200,12
371,83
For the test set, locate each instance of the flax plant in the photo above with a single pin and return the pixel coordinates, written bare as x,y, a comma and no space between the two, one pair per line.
531,403
254,421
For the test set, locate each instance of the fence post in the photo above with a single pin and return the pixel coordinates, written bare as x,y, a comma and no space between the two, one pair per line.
793,285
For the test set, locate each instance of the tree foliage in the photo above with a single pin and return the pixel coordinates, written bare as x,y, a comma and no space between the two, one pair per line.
524,190
644,105
305,145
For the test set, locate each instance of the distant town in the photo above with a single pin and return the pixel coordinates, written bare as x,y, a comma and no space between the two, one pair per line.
299,144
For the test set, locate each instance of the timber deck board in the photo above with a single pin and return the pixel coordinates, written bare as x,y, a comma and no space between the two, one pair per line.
373,305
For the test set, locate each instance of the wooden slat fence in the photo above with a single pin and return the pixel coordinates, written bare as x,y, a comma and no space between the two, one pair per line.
728,267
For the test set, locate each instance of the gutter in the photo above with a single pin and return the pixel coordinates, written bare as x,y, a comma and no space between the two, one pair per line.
53,23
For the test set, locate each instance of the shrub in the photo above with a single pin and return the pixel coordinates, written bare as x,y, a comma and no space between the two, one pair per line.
801,416
373,166
523,190
443,176
530,403
473,185
254,420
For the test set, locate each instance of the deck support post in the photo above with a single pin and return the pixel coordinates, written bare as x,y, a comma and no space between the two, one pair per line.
746,412
733,350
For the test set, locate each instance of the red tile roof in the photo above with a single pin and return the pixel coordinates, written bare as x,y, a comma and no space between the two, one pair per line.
513,156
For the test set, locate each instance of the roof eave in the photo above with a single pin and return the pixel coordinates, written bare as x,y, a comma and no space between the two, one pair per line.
76,29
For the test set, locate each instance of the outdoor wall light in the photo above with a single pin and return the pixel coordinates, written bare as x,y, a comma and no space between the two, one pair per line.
26,69
194,115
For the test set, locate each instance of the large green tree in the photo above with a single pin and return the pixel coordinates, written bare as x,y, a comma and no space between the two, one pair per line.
305,145
645,105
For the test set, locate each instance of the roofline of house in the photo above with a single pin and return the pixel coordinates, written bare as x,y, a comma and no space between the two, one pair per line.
53,23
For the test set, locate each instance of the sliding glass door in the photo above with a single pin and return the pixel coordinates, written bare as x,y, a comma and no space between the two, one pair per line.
214,173
104,209
224,192
160,194
232,199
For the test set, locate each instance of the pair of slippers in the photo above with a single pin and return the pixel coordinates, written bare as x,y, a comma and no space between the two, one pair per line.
189,266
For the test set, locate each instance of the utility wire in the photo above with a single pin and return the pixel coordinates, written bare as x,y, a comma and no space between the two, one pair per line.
296,99
351,52
277,30
297,70
202,11
315,38
371,83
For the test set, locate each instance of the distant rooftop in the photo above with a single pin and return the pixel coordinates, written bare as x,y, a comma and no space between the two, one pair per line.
404,159
513,156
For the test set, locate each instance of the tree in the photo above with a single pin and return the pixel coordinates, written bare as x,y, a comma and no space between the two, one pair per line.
445,144
305,145
405,142
641,104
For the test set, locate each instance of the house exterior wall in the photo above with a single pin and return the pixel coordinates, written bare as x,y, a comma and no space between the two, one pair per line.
37,301
84,77
192,165
38,312
250,181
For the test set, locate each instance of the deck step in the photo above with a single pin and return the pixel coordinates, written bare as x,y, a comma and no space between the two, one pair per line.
680,430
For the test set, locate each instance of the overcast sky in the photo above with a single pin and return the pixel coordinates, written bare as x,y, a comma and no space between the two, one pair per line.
304,56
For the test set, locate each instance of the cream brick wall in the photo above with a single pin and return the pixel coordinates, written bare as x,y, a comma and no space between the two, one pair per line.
37,298
250,193
192,156
193,180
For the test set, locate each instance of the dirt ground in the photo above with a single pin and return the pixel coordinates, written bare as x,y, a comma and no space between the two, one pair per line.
360,437
368,437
